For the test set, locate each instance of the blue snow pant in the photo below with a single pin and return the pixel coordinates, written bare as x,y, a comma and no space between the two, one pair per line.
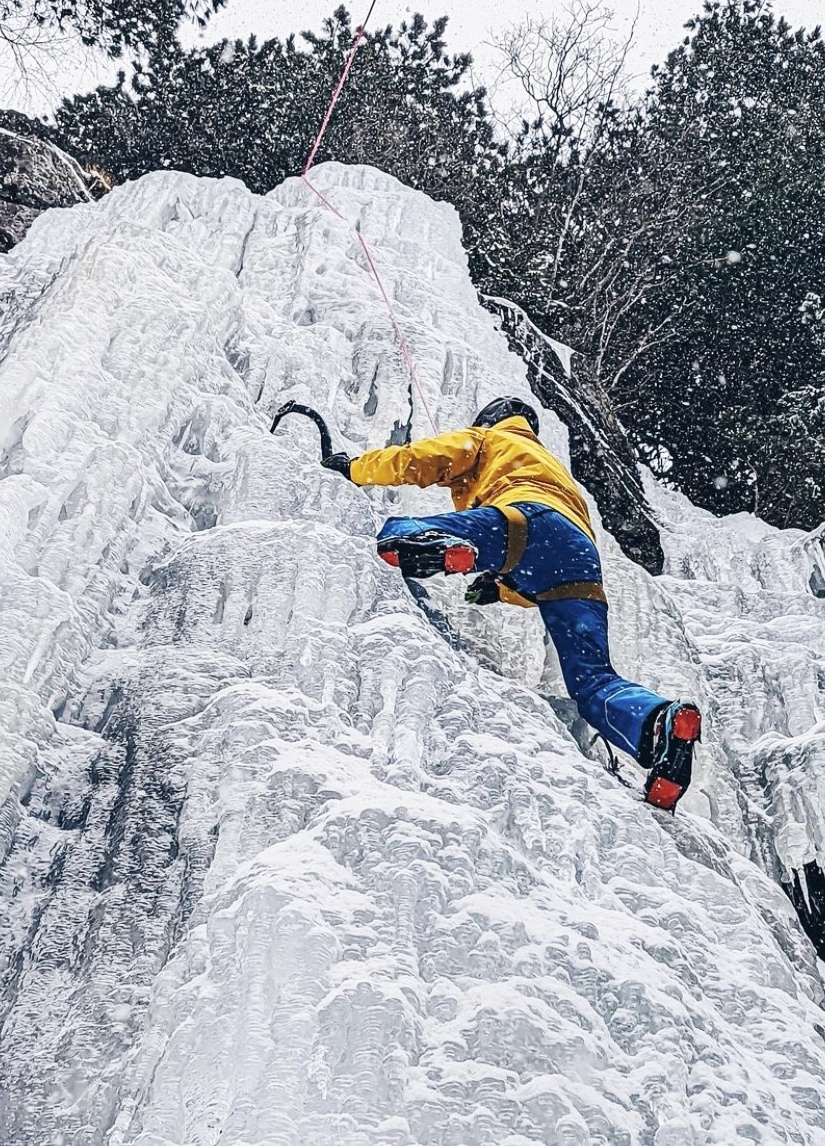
557,551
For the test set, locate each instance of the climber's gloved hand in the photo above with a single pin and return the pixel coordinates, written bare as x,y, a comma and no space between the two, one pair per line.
340,463
484,590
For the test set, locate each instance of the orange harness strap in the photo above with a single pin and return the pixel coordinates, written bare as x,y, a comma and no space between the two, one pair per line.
516,545
575,591
516,537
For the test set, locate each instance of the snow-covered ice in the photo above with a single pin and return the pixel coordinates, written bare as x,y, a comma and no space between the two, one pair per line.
283,863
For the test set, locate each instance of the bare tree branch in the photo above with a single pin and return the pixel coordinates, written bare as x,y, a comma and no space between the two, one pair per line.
570,72
33,58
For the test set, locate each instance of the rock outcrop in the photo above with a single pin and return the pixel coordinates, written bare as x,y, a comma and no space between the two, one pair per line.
34,175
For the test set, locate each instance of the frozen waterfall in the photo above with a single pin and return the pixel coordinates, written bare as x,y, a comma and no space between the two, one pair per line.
283,865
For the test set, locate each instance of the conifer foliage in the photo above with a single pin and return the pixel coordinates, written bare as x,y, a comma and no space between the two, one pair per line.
252,111
734,394
109,24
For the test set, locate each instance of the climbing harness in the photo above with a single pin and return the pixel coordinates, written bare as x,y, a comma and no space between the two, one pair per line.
516,545
516,537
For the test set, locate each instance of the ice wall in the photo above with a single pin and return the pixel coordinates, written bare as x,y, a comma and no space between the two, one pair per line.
758,636
282,863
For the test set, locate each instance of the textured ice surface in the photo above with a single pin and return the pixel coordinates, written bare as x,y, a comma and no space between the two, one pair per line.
758,635
286,866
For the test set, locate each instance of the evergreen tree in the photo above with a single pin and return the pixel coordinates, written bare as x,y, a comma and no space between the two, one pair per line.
741,106
252,111
109,24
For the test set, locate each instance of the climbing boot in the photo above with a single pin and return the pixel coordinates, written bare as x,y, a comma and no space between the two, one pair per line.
425,554
675,731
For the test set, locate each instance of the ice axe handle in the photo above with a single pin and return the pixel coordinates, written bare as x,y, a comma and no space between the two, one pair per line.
308,412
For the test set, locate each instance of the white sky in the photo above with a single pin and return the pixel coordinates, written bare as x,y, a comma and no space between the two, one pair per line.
659,28
473,22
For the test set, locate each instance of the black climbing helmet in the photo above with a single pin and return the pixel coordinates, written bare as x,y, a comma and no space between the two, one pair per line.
501,408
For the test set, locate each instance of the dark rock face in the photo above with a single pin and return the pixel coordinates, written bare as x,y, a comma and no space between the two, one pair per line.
601,454
34,175
807,893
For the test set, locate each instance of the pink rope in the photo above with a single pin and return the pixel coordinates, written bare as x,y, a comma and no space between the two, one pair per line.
399,335
402,342
323,199
339,88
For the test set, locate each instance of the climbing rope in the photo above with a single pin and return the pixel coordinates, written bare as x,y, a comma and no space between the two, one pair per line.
399,334
339,87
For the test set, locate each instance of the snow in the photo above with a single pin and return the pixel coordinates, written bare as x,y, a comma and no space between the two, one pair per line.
283,864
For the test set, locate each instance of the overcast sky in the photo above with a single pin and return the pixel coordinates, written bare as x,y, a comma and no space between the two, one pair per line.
659,26
473,23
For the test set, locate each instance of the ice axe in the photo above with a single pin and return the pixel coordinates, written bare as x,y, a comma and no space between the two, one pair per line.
308,412
419,593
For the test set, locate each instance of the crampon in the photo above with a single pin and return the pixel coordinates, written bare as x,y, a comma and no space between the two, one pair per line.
425,554
677,729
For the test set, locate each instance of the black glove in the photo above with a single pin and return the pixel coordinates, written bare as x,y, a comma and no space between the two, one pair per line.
338,462
485,590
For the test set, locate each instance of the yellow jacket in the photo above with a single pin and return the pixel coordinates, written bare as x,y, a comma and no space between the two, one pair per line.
496,465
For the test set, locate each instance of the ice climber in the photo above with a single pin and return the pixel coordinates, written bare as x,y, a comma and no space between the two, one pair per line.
523,526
